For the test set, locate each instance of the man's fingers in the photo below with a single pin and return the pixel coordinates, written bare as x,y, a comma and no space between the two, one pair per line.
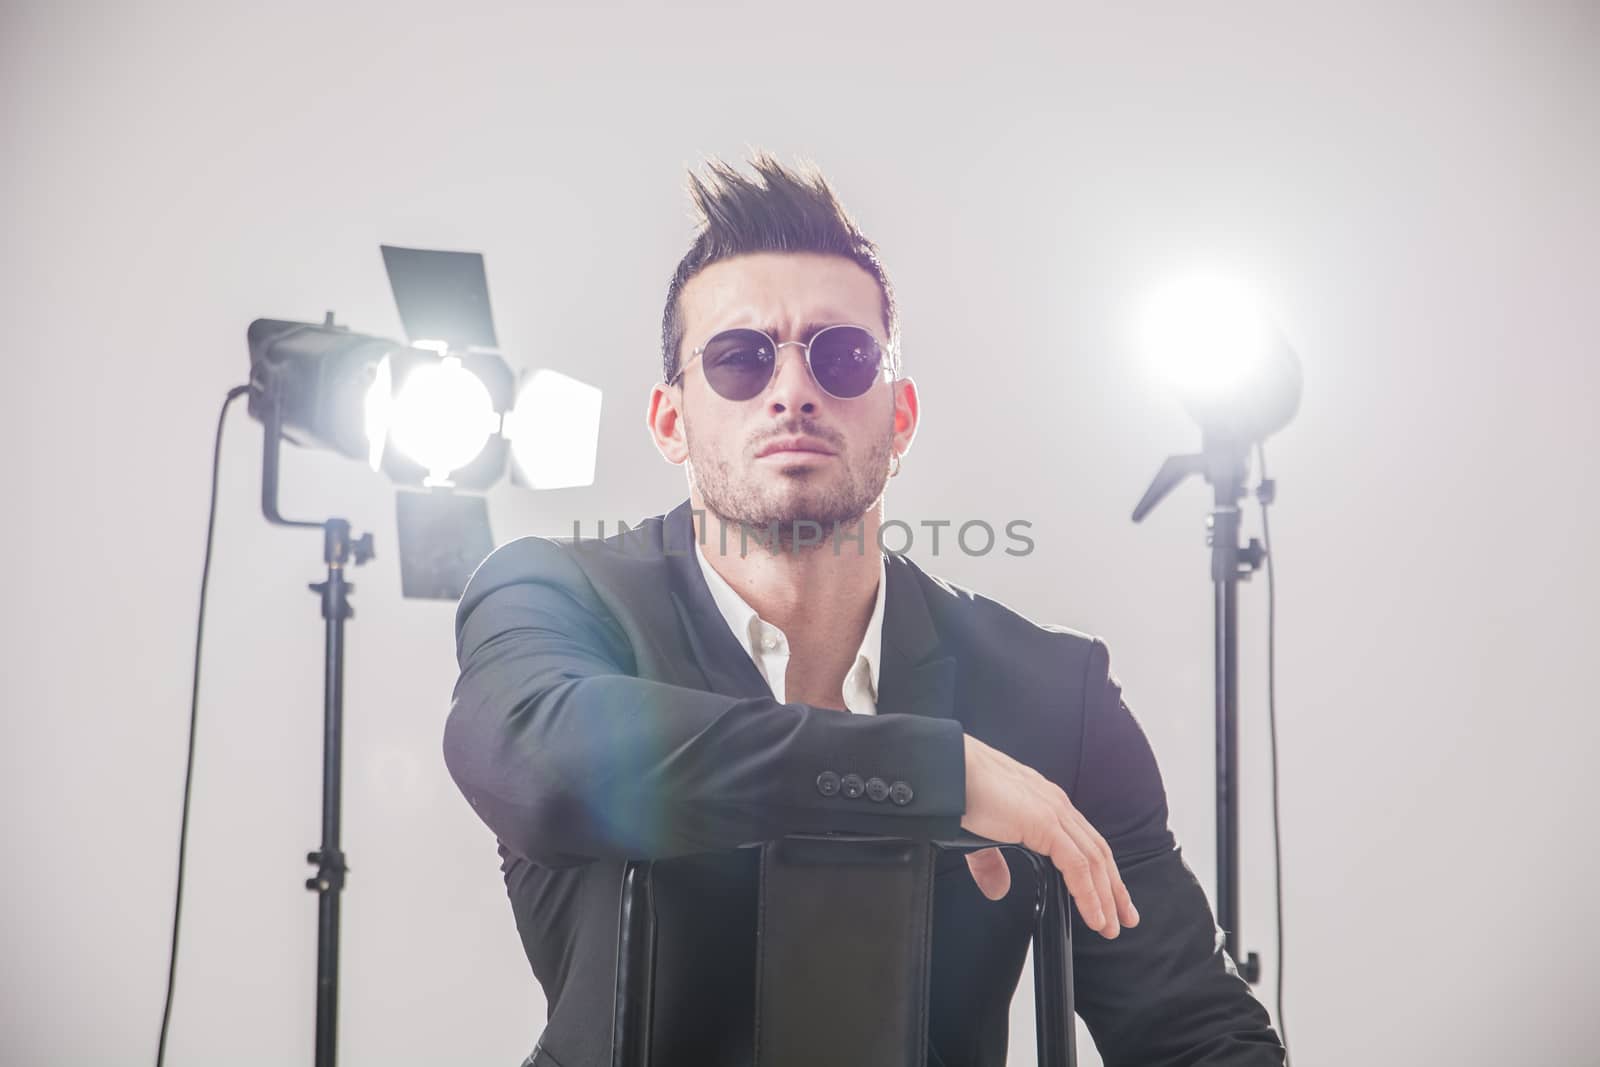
1011,801
1126,912
1122,900
1049,837
989,870
1102,884
1074,868
1109,891
1125,908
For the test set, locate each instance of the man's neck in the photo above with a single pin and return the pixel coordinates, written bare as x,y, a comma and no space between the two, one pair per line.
818,597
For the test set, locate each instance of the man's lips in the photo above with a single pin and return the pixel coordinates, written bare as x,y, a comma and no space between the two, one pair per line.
791,446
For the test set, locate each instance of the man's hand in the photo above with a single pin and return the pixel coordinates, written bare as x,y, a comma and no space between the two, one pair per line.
1011,802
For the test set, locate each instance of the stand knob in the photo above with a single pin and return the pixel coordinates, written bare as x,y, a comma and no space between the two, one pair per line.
1251,556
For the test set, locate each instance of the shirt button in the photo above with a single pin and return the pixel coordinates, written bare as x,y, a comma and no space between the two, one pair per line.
851,785
827,783
769,643
877,789
900,793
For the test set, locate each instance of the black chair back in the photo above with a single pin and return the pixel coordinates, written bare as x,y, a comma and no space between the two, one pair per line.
845,953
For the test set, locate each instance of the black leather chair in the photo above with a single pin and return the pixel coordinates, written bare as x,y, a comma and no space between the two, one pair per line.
808,1006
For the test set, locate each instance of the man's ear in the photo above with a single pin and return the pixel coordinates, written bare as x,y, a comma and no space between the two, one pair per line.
664,417
907,413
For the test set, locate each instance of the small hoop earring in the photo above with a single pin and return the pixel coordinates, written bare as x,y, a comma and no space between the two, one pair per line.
894,467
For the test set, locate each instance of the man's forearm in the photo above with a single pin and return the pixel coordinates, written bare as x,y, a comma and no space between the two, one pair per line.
565,759
619,767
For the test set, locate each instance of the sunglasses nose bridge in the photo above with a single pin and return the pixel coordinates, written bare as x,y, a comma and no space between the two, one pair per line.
805,361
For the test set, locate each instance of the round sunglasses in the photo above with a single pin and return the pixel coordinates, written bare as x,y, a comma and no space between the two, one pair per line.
844,361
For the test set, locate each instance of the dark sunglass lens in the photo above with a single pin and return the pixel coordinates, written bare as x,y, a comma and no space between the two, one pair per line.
845,360
738,363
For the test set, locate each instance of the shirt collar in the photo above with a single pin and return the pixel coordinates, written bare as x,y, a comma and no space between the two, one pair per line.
740,615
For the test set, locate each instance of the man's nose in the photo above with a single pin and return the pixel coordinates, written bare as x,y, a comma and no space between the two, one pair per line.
792,388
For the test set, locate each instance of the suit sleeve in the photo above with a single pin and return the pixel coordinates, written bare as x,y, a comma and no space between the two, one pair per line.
568,756
1164,992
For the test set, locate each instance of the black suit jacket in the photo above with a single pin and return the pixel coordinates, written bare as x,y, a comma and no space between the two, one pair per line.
605,710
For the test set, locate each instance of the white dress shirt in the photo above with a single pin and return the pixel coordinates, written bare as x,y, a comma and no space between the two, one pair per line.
769,648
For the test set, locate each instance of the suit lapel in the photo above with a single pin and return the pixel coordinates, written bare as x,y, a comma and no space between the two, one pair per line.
914,677
726,666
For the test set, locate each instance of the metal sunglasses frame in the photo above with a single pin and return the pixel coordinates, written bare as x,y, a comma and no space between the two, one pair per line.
885,356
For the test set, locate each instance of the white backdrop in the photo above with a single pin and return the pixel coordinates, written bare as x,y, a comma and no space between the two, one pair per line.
1415,189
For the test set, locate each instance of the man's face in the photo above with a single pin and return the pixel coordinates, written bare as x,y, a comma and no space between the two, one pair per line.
788,295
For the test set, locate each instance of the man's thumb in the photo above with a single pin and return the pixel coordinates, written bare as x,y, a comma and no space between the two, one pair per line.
989,870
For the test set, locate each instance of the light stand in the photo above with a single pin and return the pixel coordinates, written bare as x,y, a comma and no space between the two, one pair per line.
374,399
338,552
1240,380
1224,464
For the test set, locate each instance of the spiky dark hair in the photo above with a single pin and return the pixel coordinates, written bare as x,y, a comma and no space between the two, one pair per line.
787,210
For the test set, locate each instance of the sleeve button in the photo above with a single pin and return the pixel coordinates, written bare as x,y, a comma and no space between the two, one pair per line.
901,793
851,785
827,783
877,789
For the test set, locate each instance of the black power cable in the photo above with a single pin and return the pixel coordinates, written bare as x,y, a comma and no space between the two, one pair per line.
1266,492
194,707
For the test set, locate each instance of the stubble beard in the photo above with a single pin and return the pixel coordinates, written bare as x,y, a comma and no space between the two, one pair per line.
834,494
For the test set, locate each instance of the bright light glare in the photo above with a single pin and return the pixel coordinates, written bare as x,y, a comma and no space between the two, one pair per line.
1206,336
441,418
555,431
378,407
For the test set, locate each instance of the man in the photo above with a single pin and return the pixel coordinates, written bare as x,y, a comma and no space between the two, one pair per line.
681,690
